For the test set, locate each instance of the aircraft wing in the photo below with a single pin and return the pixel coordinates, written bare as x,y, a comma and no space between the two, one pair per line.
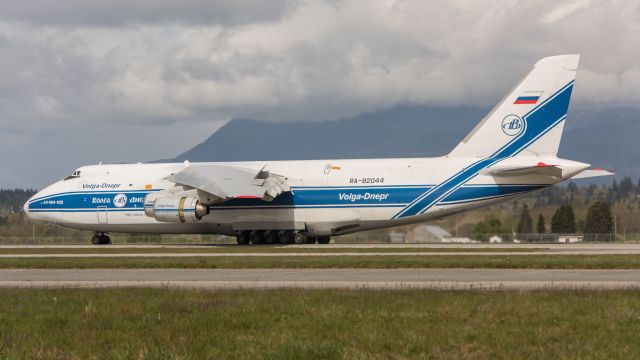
228,182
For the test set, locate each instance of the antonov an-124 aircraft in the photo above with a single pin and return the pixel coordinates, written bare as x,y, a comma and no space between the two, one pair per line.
510,153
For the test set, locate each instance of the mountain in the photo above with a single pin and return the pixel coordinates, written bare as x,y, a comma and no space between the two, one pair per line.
607,138
604,138
398,132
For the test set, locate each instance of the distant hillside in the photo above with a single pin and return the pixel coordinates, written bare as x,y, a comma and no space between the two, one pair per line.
403,131
607,138
604,138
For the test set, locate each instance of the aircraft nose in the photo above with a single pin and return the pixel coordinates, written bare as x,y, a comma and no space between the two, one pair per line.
25,207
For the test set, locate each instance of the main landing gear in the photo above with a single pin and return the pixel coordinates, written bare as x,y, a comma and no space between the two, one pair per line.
101,239
258,237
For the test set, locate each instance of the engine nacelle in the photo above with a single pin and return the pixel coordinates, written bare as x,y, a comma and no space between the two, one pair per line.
174,208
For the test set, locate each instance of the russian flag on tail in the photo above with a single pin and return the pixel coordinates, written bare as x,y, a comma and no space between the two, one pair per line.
529,99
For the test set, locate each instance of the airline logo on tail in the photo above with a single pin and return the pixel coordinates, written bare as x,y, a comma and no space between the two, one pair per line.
512,125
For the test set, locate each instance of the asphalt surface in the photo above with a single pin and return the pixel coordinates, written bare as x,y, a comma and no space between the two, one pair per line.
441,279
541,249
585,246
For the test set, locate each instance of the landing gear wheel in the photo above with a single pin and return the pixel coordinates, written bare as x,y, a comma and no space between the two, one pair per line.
285,237
100,239
270,237
300,238
311,239
324,239
243,238
257,237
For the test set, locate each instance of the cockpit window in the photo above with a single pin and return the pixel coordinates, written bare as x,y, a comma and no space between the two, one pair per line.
75,174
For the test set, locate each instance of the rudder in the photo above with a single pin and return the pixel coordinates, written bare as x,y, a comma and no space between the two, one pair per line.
530,119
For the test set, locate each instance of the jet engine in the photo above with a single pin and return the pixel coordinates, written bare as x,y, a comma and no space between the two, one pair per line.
184,209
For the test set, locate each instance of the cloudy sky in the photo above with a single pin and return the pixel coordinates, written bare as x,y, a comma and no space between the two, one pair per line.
120,80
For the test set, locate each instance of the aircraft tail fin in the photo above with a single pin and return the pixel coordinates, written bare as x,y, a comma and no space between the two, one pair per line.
530,119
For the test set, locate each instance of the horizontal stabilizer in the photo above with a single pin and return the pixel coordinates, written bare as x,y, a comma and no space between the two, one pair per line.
593,173
515,170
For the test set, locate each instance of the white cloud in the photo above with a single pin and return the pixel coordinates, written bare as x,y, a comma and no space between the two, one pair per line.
315,60
564,10
154,65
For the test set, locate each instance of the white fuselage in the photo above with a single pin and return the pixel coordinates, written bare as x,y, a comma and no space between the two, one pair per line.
327,197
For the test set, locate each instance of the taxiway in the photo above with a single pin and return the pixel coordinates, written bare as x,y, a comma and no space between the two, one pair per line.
442,279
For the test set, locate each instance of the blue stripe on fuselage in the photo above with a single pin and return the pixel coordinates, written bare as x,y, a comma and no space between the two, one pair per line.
300,197
88,200
439,192
472,193
378,197
337,196
82,192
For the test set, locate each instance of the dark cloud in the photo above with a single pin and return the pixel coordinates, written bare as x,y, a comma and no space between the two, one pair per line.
141,12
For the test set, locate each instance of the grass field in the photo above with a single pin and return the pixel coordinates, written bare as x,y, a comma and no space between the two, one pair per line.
318,324
249,249
373,262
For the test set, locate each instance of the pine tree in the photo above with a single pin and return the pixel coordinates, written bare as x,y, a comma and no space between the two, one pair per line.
625,187
599,219
612,195
570,221
556,220
541,228
563,221
525,225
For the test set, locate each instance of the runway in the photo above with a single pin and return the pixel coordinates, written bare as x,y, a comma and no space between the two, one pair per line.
440,279
440,249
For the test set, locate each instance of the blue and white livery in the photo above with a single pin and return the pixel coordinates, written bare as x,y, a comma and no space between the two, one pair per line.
511,152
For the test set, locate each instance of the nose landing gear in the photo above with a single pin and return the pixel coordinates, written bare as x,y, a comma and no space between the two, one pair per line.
101,239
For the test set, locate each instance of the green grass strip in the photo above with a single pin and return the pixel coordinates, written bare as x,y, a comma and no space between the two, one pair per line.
318,324
247,249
